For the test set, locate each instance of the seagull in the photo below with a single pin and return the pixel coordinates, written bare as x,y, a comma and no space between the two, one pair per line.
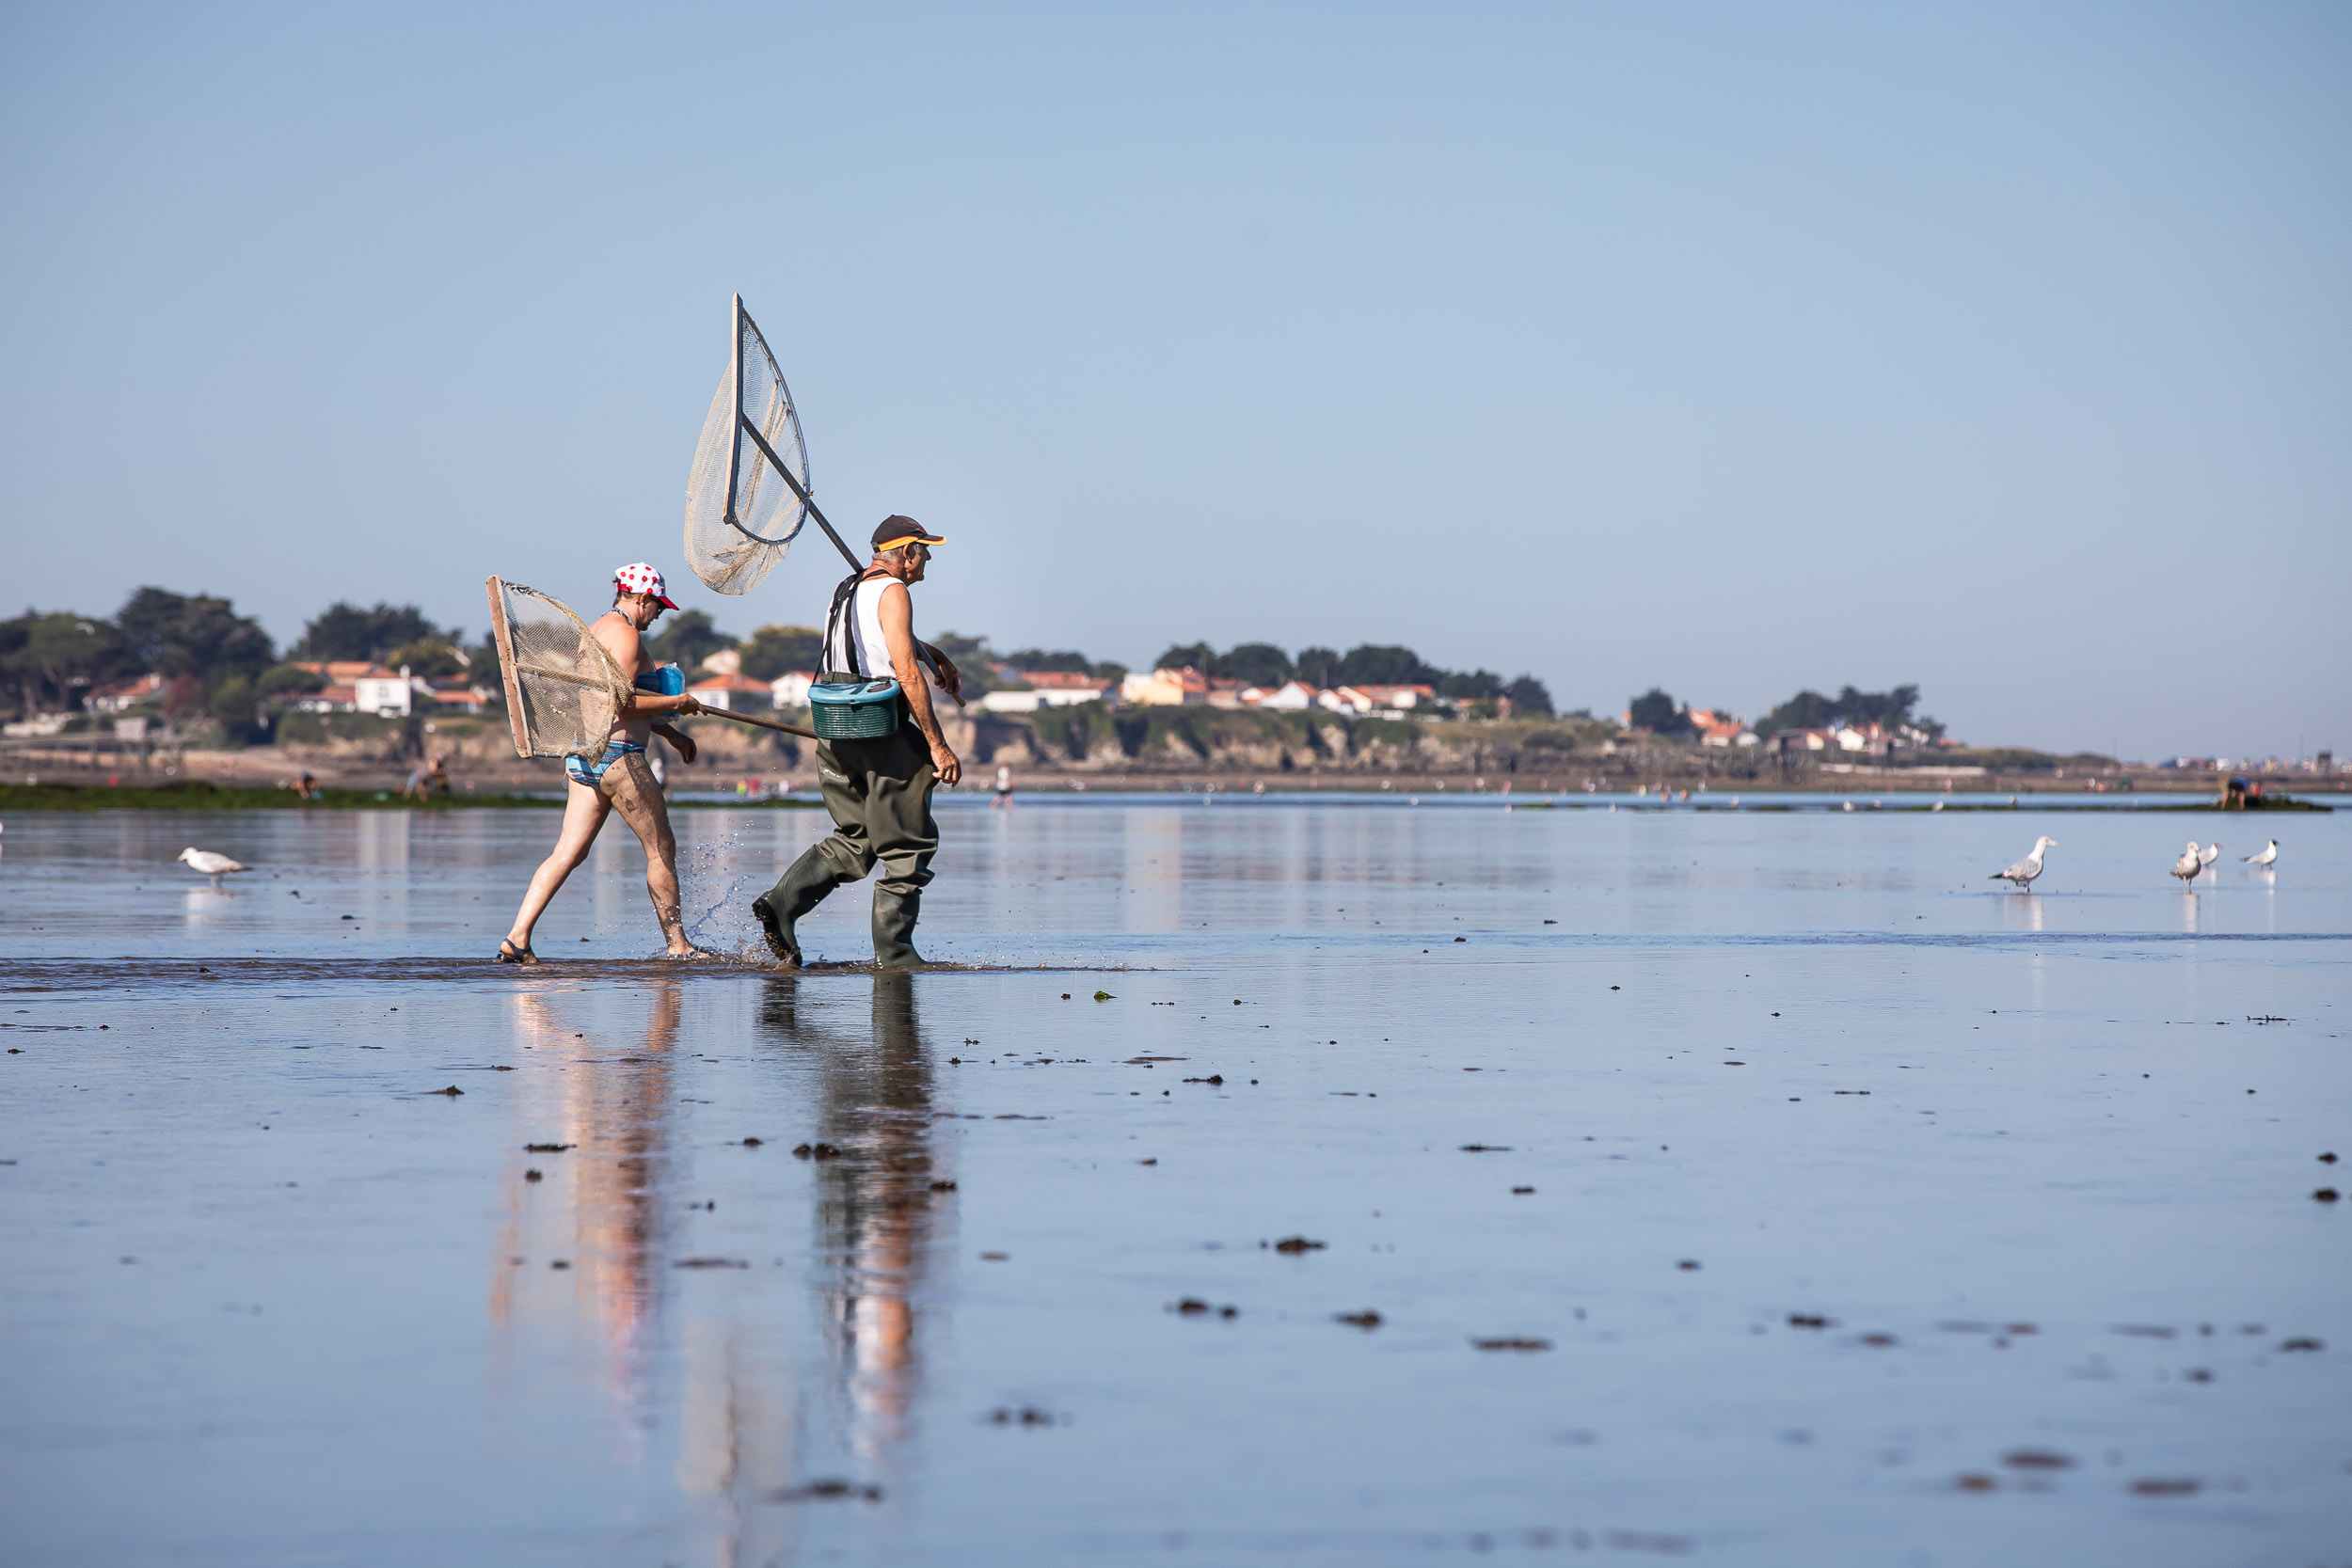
210,863
2264,858
2209,854
2024,871
2189,865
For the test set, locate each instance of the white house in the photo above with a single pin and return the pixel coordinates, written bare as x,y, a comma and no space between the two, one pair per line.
732,693
790,689
1290,697
1042,697
118,696
382,693
1165,688
1065,687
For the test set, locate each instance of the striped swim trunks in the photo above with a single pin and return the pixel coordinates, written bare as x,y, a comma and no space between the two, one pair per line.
581,771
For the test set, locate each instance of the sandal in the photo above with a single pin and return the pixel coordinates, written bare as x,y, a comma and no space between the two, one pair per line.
510,954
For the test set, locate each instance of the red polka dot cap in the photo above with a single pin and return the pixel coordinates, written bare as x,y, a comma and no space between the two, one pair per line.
638,577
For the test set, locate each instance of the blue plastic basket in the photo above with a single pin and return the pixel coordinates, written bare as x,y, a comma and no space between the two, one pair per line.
853,710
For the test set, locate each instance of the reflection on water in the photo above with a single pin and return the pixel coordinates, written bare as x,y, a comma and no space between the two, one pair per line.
1952,1102
875,1200
589,1261
581,1253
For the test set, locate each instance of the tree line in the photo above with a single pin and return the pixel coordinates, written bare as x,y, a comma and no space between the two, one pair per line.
224,666
1656,711
1264,664
215,663
690,637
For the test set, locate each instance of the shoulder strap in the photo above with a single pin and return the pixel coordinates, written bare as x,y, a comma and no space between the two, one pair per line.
842,598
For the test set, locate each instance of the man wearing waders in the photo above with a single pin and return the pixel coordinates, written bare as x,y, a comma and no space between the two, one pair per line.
879,791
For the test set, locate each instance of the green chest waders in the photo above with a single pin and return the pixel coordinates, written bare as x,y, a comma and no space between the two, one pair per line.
874,769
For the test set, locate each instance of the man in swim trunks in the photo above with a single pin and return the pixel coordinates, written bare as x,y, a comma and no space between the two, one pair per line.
879,791
623,776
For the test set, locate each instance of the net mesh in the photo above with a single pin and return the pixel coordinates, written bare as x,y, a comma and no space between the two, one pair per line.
740,514
564,692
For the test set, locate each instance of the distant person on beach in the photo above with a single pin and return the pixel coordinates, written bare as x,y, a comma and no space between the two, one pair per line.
1004,788
304,786
623,777
877,791
424,781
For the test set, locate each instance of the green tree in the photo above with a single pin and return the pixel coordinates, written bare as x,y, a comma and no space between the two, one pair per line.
1657,713
1806,710
1529,696
1471,686
181,634
970,654
1064,660
1254,664
234,705
344,631
289,680
1385,664
1318,667
687,640
50,658
1887,709
780,650
434,655
1198,656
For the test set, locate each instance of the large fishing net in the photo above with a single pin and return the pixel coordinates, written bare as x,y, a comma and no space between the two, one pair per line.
741,512
564,691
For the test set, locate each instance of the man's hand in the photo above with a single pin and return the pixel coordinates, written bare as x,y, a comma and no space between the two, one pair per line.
944,762
688,706
679,739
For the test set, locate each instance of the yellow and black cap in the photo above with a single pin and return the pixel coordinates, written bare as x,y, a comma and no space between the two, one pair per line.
896,531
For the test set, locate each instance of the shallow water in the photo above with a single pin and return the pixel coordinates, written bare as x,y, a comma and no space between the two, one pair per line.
2011,1135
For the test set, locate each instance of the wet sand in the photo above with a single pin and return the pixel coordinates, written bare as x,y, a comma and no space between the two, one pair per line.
1873,1212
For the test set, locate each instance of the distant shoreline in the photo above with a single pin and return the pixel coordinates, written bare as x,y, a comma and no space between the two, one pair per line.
200,795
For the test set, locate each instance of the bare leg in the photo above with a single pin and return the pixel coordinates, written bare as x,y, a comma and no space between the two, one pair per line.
642,807
584,811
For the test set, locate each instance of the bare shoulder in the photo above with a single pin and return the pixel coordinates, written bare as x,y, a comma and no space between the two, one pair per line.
894,600
620,640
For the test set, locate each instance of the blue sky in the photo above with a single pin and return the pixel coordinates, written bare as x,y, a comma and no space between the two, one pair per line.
2004,350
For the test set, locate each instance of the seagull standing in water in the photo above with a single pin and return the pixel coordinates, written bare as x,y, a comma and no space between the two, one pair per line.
2263,860
2189,865
2209,854
210,863
2024,871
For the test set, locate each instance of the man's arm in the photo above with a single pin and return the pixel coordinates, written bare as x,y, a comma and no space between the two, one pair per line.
896,613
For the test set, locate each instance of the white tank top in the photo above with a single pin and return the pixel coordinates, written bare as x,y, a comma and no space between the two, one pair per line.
862,619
